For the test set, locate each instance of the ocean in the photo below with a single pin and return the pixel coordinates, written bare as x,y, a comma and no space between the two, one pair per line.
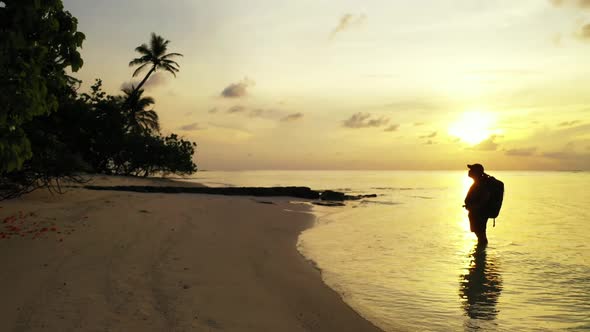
407,261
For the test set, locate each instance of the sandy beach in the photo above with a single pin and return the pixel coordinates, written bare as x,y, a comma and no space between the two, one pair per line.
119,261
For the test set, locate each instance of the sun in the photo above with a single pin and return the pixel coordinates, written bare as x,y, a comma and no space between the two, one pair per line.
473,127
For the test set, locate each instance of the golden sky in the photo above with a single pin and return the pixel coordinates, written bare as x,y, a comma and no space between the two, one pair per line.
311,84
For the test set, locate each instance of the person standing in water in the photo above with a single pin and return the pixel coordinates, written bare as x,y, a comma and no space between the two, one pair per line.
476,202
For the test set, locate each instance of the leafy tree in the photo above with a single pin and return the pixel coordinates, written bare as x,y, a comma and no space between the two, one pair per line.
155,56
140,119
38,42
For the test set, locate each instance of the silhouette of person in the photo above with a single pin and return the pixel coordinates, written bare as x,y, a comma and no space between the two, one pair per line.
481,286
476,202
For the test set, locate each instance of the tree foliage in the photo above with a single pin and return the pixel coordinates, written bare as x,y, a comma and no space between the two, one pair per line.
49,131
154,55
39,40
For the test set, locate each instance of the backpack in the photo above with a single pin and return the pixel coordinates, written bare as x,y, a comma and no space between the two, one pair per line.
496,189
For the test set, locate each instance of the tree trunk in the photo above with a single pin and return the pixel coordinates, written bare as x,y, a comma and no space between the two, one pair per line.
145,79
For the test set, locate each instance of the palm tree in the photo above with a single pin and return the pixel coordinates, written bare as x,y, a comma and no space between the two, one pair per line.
155,56
138,118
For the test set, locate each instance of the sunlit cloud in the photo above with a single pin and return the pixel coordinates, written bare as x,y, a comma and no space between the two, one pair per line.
364,120
213,110
346,22
575,3
237,90
191,127
236,109
431,135
569,123
523,152
488,144
584,32
155,80
392,127
292,117
262,113
567,155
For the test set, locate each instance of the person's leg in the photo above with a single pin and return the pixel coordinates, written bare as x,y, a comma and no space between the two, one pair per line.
482,237
481,232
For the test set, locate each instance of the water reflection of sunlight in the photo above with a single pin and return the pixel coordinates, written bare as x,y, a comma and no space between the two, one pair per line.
466,184
480,287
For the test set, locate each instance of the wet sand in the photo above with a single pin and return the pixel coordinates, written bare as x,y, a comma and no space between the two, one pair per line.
119,261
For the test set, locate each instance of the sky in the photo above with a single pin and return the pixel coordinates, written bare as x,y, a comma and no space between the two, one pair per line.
372,85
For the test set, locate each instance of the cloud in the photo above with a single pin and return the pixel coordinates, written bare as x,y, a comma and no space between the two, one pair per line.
505,72
155,80
191,127
392,127
561,155
569,123
236,109
262,113
213,110
431,135
487,145
237,90
584,32
364,120
523,152
346,22
416,124
292,117
576,3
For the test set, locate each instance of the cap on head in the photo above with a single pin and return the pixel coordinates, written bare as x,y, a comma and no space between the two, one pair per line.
478,168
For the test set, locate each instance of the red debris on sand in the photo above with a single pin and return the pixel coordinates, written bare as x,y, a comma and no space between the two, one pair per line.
18,224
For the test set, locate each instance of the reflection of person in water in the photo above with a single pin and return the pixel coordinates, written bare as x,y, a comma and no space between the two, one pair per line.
480,288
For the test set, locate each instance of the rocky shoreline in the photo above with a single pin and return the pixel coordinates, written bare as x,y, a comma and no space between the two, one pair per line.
297,192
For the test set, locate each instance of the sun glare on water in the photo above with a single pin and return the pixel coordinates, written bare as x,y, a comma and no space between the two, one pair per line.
473,127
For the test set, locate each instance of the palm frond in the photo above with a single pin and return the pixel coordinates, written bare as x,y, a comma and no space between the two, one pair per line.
142,59
140,69
170,55
145,102
170,62
170,69
149,120
158,45
143,49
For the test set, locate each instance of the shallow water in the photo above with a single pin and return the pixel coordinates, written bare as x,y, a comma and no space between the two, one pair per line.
407,261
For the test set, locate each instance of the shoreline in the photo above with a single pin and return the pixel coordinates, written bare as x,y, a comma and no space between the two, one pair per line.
151,262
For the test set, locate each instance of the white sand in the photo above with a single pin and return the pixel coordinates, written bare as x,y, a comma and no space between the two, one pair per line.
160,262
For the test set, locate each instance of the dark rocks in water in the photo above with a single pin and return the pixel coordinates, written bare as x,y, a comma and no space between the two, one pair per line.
329,195
357,197
264,202
299,192
329,203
